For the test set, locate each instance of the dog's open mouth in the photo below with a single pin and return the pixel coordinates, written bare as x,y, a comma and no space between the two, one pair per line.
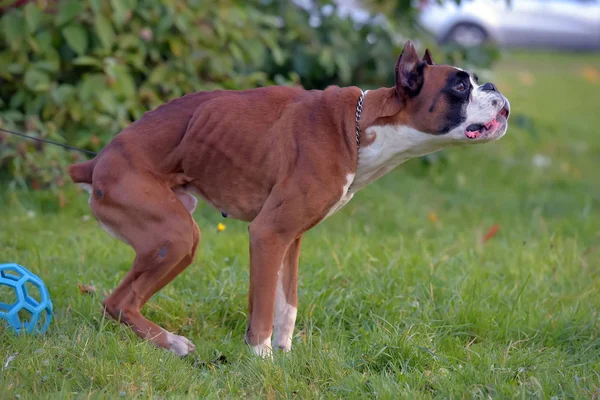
475,131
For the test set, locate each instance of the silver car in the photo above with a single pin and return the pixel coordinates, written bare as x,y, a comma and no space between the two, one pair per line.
564,24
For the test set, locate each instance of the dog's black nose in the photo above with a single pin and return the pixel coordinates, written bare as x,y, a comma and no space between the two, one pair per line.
489,86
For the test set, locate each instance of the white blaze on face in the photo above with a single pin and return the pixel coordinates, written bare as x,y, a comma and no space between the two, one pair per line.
285,318
483,106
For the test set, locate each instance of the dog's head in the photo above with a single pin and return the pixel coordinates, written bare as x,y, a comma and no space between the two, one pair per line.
446,101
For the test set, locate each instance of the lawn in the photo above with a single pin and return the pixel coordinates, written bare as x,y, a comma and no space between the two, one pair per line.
401,296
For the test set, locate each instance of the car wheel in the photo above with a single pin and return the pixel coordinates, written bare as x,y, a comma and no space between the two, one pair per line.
467,35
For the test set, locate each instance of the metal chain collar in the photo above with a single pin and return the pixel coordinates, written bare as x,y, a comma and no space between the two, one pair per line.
359,107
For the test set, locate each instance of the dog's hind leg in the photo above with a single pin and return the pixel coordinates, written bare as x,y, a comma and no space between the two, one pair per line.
149,216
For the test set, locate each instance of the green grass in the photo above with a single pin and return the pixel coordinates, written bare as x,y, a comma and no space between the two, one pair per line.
399,297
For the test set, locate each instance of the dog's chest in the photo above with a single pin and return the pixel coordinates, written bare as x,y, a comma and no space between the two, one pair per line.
392,146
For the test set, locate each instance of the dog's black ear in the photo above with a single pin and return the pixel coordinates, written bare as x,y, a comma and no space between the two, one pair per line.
409,71
427,57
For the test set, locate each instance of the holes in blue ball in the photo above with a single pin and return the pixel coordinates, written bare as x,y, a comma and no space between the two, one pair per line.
24,316
10,273
33,295
41,321
8,298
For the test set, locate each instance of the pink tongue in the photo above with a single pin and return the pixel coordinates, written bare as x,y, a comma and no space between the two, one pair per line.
476,134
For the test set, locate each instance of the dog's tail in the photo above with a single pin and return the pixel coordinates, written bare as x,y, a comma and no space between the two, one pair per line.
82,172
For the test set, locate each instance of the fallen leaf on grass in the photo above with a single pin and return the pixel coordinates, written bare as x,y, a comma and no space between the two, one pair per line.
9,360
591,74
526,78
86,289
490,233
433,218
62,200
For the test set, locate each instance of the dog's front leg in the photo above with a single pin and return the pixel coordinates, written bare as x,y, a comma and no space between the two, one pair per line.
275,236
286,298
267,249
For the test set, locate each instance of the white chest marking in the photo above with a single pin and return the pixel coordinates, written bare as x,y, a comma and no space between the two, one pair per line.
393,145
346,196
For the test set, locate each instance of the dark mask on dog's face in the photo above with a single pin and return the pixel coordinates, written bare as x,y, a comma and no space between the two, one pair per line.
447,101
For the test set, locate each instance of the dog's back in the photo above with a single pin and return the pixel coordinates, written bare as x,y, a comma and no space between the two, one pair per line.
164,137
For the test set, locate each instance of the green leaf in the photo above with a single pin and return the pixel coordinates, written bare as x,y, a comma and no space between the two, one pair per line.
236,52
68,10
36,79
17,99
92,84
15,68
159,74
48,65
326,61
164,24
62,94
278,55
105,31
130,4
107,100
88,61
136,60
44,41
176,46
121,12
181,23
33,16
125,84
344,68
76,38
130,41
13,26
96,5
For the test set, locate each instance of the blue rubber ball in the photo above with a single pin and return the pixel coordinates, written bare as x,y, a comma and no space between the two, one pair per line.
29,308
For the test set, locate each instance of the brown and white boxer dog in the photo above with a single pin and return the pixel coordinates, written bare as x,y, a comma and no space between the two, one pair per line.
281,158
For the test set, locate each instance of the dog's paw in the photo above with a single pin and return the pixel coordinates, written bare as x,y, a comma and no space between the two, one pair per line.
284,347
179,345
282,341
263,349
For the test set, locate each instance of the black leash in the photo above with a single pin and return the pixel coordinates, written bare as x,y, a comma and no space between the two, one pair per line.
66,146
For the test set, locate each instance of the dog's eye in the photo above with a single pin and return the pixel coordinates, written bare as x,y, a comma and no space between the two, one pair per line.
476,78
460,87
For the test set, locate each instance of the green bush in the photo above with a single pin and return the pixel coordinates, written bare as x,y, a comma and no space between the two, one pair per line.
83,71
79,71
